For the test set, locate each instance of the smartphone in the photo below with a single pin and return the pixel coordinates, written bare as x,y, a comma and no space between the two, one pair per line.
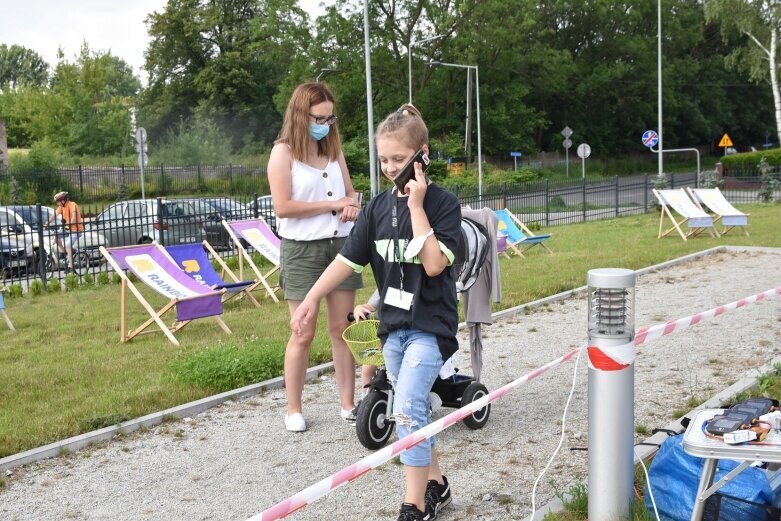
408,172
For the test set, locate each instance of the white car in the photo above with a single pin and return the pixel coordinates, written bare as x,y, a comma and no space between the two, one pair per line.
266,210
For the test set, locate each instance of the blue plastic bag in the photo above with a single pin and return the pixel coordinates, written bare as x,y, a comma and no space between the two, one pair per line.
674,476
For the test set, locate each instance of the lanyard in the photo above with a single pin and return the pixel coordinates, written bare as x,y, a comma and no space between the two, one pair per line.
395,237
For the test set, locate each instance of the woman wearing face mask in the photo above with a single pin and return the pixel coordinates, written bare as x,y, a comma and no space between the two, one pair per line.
315,205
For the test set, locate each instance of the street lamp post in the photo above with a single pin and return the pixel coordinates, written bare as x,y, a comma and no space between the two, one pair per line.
479,143
412,44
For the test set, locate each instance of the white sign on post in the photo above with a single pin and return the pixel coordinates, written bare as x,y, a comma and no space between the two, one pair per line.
567,133
584,150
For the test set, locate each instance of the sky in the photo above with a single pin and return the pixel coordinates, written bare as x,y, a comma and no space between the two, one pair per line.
106,25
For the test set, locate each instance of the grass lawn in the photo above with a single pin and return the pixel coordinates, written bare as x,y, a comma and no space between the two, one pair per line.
64,371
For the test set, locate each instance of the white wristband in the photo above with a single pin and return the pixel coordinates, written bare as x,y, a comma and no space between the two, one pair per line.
416,244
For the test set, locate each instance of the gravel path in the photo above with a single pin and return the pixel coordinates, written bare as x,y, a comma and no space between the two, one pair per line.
235,460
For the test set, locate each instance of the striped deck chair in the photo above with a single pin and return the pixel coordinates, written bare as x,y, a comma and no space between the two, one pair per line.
519,237
722,210
192,259
260,237
678,201
154,267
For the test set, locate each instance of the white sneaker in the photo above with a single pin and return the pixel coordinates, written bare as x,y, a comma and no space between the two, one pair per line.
436,402
295,422
350,416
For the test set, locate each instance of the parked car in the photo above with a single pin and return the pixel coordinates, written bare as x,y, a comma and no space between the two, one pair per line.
230,209
142,221
212,223
21,223
15,257
266,210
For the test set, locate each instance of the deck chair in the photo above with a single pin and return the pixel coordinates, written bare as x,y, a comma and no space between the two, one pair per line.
721,209
257,234
2,311
677,200
154,267
192,259
519,237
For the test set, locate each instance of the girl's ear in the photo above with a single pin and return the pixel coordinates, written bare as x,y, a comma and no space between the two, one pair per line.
425,149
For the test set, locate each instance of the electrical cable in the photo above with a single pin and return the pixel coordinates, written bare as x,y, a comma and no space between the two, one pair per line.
647,482
561,439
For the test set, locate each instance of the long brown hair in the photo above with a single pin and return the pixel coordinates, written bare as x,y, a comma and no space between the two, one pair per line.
407,125
295,127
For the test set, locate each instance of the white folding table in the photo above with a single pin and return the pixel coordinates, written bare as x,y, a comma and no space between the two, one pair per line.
696,443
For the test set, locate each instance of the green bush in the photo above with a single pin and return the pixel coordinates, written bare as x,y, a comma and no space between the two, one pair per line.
115,278
53,286
198,140
71,281
752,159
103,279
15,291
226,368
36,287
89,280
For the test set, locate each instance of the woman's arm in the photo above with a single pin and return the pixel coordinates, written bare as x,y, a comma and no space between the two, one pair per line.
280,180
336,273
349,213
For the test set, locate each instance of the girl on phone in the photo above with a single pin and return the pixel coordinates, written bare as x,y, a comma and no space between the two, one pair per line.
409,239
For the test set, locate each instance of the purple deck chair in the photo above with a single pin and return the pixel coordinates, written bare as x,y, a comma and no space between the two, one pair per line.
192,259
154,267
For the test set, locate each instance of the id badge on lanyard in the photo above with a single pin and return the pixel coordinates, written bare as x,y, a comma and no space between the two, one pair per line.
397,297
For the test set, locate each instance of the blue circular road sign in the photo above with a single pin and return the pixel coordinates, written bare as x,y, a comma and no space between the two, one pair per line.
650,138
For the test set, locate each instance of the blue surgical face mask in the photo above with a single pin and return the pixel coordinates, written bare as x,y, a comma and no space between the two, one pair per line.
318,132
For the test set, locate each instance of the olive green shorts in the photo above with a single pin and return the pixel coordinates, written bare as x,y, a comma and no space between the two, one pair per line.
302,263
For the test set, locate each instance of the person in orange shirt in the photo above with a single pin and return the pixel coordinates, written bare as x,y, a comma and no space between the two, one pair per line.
74,225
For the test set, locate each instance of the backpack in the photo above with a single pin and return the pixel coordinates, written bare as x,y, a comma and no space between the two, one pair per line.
470,255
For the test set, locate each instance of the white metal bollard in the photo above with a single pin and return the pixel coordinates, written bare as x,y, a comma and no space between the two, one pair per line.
611,381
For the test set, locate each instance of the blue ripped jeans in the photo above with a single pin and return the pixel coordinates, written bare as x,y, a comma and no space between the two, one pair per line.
413,361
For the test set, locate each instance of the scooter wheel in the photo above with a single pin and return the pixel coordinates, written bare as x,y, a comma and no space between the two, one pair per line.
372,423
479,418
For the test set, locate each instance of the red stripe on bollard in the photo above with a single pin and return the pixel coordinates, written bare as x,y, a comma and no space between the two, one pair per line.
601,361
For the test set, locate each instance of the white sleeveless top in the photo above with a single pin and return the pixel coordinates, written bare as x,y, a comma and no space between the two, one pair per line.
312,184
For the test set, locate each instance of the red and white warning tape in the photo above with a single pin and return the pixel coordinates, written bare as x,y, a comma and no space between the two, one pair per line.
614,358
358,469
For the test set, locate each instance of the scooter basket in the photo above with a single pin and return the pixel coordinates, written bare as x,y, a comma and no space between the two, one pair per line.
361,338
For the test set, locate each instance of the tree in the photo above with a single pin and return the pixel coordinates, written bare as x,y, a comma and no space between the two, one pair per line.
221,59
759,22
21,66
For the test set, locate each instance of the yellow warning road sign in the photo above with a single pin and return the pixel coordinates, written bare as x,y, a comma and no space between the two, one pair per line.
725,141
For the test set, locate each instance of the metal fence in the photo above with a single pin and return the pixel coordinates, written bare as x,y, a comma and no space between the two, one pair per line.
30,252
90,184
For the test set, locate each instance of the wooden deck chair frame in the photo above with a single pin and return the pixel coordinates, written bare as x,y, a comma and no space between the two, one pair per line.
2,312
703,205
693,231
228,295
526,231
155,316
261,278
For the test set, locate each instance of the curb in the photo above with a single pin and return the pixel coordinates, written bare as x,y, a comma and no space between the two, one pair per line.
81,441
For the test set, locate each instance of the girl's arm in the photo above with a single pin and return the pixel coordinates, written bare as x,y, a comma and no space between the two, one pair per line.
431,256
280,180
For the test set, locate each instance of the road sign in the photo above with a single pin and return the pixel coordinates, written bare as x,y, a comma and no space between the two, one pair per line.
141,147
650,138
567,132
516,154
567,143
584,151
725,141
143,160
140,134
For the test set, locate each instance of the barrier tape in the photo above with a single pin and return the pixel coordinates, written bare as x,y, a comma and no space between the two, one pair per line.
615,358
358,469
321,488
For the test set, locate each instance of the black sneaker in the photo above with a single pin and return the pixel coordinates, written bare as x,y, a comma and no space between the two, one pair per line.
410,512
437,497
